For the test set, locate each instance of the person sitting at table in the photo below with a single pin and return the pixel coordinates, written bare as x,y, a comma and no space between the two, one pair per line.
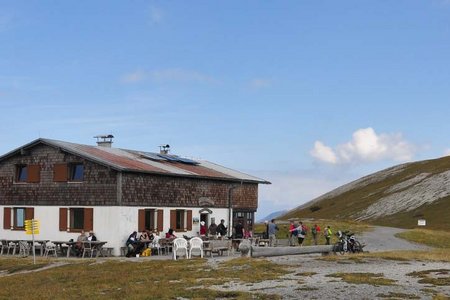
131,243
79,245
170,234
91,237
144,236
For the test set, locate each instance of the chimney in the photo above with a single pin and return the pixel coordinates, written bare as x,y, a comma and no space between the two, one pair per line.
164,149
104,140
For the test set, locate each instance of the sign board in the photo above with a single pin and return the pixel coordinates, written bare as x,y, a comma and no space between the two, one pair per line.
32,226
421,222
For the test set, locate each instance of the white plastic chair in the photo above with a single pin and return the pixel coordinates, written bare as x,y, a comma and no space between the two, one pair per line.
196,243
155,244
24,248
4,247
180,244
49,248
12,246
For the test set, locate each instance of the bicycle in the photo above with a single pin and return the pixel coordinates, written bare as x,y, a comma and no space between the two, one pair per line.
347,243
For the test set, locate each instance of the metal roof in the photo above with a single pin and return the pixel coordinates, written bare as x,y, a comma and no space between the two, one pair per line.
144,162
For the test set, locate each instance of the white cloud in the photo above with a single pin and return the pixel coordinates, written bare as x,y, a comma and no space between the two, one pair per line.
260,83
447,152
167,75
323,153
366,146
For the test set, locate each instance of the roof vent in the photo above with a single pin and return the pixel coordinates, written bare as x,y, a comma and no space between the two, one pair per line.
164,149
104,140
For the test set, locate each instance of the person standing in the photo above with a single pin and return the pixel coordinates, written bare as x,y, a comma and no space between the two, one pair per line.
327,233
222,229
315,230
272,231
266,232
239,230
301,233
292,233
203,229
212,230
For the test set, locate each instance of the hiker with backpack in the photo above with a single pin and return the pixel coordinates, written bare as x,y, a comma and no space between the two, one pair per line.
302,231
327,233
315,230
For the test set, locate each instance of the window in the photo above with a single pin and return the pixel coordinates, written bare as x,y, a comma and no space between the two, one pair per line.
76,172
22,173
19,218
14,217
181,219
76,219
150,219
28,173
247,218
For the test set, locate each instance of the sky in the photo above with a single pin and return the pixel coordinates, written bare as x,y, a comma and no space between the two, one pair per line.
308,95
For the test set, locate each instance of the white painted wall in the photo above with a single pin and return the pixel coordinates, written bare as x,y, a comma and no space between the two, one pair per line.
111,223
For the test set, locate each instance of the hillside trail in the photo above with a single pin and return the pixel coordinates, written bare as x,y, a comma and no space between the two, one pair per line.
384,239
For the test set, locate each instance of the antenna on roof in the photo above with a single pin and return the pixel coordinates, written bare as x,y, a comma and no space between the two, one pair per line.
104,140
164,149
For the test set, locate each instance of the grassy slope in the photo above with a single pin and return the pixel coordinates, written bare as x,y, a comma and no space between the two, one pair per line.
351,202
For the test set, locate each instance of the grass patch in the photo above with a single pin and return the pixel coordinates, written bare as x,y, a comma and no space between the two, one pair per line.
363,278
441,255
438,277
113,279
435,255
251,270
393,295
433,238
440,297
14,265
305,274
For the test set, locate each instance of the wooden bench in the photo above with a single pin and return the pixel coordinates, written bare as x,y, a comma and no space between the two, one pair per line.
106,251
218,246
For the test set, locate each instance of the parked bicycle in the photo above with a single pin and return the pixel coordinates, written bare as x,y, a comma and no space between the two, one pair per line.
347,243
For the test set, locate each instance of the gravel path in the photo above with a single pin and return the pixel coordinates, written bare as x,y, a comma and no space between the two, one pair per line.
309,276
383,239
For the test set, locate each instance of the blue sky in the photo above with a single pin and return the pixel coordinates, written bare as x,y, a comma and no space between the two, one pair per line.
306,94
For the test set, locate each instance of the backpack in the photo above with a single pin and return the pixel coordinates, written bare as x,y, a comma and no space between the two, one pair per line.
304,230
146,252
314,230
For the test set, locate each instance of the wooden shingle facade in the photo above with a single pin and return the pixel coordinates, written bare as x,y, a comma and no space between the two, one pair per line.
72,187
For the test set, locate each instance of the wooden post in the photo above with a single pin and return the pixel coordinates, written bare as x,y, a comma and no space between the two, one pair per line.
280,251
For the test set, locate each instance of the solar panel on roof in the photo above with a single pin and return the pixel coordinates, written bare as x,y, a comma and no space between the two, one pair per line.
187,161
175,158
150,155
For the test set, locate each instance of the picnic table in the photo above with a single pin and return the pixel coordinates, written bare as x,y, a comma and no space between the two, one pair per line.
93,247
65,246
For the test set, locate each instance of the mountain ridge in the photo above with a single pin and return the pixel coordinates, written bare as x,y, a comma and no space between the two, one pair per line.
396,196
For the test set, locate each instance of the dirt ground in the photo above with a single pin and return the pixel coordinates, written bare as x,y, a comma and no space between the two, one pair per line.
310,275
